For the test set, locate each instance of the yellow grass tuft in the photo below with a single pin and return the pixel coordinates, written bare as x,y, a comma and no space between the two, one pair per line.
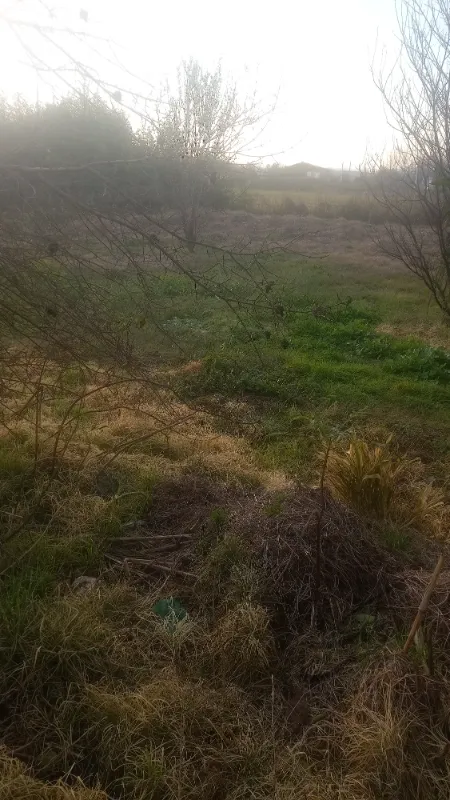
378,483
173,735
392,736
366,476
17,783
242,644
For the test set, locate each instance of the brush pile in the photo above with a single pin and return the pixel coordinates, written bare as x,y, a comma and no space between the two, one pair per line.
239,643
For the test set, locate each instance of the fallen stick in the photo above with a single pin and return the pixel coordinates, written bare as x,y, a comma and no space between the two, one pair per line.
423,604
150,537
160,567
319,520
113,559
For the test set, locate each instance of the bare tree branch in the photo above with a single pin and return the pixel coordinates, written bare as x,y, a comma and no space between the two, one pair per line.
414,185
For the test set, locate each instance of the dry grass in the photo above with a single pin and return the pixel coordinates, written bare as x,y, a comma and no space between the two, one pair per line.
17,783
193,444
242,644
130,424
394,732
349,241
277,683
242,698
379,483
434,335
367,477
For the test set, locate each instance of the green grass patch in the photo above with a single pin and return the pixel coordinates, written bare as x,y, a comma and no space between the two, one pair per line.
327,376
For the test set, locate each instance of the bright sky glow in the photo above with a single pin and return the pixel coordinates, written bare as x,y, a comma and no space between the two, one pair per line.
316,54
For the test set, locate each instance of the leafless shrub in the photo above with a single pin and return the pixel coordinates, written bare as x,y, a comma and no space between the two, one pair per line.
412,186
84,248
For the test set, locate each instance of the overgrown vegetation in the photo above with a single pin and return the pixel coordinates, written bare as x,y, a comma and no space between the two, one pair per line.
150,165
223,477
167,624
324,369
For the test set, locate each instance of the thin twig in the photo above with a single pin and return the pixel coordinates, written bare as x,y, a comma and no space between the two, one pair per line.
150,537
320,513
423,604
154,565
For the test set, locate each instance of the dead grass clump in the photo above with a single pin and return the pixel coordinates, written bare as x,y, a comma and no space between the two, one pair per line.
408,589
319,667
75,513
61,638
161,709
245,583
378,483
48,654
242,644
227,554
393,734
72,637
366,477
174,734
17,783
166,642
423,506
375,730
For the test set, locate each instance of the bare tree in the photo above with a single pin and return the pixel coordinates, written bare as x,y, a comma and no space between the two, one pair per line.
202,126
85,250
414,185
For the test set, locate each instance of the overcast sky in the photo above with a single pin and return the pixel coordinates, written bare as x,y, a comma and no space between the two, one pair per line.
315,54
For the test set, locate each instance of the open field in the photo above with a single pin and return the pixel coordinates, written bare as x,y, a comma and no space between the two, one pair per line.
338,242
321,201
311,196
359,348
208,576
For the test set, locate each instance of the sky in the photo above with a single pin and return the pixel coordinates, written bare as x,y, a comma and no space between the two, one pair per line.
312,57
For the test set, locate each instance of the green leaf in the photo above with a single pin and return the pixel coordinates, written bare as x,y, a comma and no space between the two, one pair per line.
170,610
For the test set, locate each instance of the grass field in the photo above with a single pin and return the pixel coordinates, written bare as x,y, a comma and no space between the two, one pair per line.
328,368
311,197
323,201
236,631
